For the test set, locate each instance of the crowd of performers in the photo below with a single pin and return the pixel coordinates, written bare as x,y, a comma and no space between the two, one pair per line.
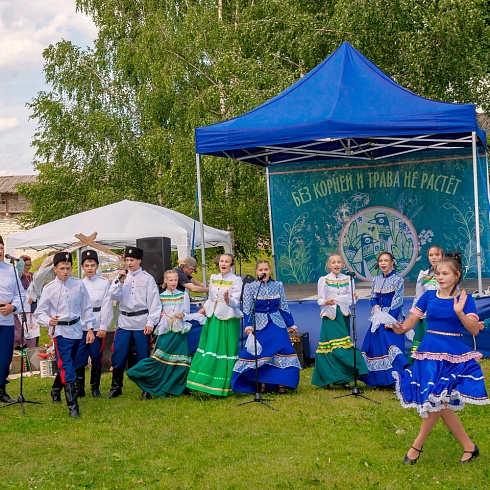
439,377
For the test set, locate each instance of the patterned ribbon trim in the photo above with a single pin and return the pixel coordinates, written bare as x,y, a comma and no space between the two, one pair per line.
327,347
448,334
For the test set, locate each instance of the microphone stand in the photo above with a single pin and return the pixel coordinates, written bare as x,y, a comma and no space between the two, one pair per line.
356,392
257,397
20,399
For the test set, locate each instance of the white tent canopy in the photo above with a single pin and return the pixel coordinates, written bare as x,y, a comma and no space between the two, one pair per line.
119,225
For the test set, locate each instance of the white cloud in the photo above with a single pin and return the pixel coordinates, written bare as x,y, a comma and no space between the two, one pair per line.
27,27
9,123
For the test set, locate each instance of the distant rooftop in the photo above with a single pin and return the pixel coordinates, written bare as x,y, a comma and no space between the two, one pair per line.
8,183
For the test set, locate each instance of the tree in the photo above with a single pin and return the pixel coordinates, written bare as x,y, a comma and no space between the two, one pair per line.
438,49
119,120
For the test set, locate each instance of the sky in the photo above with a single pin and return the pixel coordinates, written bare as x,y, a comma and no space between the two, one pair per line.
27,27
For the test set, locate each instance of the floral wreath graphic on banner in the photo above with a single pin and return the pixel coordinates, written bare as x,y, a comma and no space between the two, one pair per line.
372,231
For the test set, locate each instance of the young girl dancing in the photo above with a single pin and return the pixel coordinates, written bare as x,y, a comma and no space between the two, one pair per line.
425,281
334,362
165,372
445,374
382,349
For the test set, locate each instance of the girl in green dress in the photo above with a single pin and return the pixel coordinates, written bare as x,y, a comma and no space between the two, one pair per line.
334,362
212,365
165,372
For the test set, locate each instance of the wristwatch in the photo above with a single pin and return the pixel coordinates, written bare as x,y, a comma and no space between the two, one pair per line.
15,309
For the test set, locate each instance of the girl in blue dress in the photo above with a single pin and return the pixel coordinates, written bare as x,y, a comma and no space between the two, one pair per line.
382,349
278,364
445,375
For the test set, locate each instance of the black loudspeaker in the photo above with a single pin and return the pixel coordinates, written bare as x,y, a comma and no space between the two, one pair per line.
156,256
246,279
301,344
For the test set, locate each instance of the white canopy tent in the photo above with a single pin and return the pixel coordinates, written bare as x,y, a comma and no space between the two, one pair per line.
119,225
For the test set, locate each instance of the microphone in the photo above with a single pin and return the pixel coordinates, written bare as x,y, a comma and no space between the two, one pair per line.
8,256
262,276
350,274
120,276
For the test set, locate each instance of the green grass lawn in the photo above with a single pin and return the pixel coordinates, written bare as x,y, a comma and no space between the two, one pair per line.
312,441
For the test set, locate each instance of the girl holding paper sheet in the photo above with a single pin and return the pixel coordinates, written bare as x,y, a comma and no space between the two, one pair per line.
382,349
334,362
278,363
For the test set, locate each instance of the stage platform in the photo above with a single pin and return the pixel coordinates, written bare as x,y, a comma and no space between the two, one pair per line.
302,302
298,292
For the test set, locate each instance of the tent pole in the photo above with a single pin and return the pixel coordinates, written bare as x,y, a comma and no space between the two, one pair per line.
477,212
270,220
79,265
487,186
201,219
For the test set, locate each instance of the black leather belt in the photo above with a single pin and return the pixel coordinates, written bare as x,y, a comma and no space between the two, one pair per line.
71,322
134,313
97,308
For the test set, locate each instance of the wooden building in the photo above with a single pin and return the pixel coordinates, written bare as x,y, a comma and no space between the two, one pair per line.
12,205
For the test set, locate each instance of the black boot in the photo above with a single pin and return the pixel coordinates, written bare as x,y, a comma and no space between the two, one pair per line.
117,383
56,389
71,400
95,381
4,397
80,382
146,395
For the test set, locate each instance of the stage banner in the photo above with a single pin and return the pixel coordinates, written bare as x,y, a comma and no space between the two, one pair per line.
361,208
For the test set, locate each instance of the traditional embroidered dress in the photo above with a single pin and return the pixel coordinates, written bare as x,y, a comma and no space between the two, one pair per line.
445,369
382,349
212,365
334,361
165,372
426,281
32,331
278,363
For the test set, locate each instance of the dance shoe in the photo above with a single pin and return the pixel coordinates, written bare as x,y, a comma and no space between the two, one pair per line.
474,454
408,460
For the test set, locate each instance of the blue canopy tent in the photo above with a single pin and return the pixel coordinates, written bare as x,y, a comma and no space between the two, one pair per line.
346,107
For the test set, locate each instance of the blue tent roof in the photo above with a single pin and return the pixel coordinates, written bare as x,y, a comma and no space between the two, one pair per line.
346,107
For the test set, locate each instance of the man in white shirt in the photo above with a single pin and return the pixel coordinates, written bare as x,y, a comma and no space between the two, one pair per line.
10,303
66,309
98,290
139,312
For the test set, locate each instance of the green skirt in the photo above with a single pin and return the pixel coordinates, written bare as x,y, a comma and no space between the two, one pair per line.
334,361
420,331
212,365
165,372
